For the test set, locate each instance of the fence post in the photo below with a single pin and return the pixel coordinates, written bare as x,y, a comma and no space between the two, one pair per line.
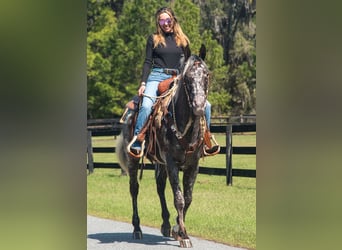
90,153
229,143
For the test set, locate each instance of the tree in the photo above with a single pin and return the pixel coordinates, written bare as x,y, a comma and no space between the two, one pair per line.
102,29
136,22
240,55
117,33
232,24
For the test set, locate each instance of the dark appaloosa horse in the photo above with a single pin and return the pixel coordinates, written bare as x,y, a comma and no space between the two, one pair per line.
181,140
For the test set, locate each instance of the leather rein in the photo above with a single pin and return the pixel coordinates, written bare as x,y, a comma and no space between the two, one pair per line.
180,135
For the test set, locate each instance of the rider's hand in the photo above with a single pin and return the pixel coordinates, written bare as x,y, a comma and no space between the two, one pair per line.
141,89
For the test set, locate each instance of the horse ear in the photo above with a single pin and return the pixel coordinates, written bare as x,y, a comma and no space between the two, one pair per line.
203,51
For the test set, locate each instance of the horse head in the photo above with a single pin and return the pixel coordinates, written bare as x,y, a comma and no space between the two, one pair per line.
196,82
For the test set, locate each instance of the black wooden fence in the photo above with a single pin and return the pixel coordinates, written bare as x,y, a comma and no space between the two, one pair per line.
227,125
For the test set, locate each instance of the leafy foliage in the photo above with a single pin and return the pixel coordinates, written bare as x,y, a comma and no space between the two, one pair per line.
117,33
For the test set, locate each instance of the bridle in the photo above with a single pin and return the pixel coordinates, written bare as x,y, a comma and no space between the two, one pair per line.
174,128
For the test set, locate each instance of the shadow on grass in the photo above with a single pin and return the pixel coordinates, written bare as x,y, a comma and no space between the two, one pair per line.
116,176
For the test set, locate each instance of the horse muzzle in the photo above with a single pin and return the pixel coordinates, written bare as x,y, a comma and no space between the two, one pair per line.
198,110
198,105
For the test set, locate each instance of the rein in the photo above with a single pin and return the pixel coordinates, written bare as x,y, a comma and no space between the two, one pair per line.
174,127
187,94
175,130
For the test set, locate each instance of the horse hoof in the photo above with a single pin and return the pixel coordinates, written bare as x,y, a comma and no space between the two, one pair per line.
166,231
137,235
185,243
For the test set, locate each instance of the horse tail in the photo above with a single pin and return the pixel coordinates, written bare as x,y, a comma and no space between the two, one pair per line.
121,153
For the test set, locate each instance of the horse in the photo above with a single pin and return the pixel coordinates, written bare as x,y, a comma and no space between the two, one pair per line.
181,146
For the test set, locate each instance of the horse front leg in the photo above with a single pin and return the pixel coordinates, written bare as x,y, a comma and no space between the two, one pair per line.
134,190
161,177
178,231
189,179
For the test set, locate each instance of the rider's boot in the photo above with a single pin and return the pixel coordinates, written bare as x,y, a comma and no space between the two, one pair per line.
210,150
136,146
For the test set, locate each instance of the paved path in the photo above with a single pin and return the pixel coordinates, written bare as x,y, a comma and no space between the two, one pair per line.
104,234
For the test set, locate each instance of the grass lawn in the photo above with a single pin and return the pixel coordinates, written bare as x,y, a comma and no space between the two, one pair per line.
225,214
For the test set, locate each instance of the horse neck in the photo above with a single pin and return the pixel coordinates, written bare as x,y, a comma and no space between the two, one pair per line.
187,123
183,111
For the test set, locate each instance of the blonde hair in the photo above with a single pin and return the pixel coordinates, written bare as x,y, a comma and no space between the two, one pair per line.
158,38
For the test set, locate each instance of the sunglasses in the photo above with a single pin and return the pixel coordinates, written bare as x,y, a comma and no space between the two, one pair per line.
165,21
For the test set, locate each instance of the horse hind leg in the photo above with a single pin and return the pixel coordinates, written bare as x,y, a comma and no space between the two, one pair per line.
134,190
161,176
130,166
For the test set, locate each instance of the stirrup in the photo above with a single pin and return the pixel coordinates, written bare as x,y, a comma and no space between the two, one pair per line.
141,151
215,145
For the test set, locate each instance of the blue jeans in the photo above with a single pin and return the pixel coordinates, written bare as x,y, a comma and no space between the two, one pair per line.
151,89
208,113
155,77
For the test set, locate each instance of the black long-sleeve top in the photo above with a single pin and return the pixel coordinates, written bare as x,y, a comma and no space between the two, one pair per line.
163,57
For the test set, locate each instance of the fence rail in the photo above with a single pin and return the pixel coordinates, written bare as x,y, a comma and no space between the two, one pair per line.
112,127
